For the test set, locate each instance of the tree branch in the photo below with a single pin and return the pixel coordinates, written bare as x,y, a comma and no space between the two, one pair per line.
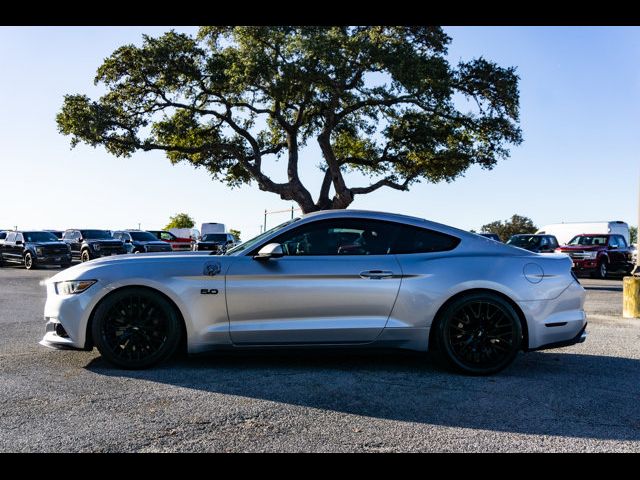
385,182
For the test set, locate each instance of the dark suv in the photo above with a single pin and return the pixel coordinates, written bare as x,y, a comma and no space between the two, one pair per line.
89,244
534,243
599,254
138,241
34,248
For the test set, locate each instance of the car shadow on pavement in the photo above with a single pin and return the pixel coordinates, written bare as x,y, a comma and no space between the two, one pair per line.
543,393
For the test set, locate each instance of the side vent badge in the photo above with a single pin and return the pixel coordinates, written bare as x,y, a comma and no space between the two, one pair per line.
212,268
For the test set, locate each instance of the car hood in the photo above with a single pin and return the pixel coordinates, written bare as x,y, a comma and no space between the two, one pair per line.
582,248
150,242
104,242
48,244
132,266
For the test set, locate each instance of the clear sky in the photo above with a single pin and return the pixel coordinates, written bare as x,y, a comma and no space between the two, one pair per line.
579,107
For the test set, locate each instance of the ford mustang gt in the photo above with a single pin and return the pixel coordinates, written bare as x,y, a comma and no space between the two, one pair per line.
334,278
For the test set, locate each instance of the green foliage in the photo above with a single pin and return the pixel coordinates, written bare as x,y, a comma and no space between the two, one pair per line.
633,235
235,233
517,224
382,100
180,220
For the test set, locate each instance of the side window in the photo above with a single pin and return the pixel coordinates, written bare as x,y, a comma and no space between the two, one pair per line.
11,237
553,242
544,241
622,243
19,237
613,241
165,236
420,240
350,236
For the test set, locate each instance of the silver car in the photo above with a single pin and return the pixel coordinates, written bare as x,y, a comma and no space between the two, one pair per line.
329,279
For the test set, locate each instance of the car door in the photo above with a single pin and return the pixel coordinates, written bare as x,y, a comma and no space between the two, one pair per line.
17,247
615,255
335,284
9,246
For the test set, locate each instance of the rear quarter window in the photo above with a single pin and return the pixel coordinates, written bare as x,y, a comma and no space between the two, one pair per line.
420,240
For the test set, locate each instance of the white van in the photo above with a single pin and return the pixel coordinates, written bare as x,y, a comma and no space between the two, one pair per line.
566,231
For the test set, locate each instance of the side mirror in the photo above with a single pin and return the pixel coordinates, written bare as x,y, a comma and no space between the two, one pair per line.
127,241
19,242
271,250
613,247
80,239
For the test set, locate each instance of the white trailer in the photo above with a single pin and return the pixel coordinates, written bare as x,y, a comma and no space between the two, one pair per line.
212,227
566,231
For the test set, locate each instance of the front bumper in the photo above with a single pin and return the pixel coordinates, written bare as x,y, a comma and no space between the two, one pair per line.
584,265
66,319
102,253
54,259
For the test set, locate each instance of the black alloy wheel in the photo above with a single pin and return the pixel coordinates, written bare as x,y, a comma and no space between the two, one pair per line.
478,334
29,262
136,328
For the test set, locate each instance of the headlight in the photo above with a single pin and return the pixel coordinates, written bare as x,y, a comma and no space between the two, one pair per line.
73,286
96,247
39,251
590,255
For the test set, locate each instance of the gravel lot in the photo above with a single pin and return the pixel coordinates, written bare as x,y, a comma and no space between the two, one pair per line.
581,399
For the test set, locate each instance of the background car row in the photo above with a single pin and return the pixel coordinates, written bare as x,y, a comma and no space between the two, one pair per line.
34,248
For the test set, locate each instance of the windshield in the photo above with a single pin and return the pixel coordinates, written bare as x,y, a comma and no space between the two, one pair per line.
143,236
588,240
249,244
39,237
524,241
215,237
97,234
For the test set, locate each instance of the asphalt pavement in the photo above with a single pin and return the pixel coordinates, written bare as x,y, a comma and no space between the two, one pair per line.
582,398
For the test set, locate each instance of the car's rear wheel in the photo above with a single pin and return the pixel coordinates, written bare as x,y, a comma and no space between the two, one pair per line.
136,328
29,262
478,334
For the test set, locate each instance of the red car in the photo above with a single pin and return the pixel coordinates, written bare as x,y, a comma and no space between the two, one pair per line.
177,244
599,254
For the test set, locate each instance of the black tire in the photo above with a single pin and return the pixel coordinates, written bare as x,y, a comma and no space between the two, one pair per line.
136,328
1,261
603,269
29,261
85,256
477,334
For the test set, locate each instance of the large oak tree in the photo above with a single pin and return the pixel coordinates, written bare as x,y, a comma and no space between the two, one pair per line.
382,101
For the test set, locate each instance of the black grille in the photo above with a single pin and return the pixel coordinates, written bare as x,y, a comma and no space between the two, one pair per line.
55,250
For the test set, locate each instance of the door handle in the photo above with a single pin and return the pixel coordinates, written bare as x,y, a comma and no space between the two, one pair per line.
376,274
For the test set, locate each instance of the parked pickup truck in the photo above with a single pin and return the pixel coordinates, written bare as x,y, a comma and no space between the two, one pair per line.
34,248
178,244
599,254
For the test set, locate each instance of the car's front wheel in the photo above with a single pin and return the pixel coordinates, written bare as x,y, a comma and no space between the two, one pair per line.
477,334
136,328
85,256
29,262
